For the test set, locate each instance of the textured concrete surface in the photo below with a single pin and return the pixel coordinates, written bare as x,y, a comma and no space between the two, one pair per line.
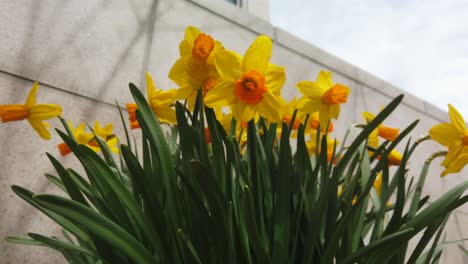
84,53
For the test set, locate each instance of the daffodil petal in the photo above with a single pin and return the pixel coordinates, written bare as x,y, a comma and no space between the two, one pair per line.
221,94
275,78
453,153
31,99
324,115
368,116
243,112
457,119
150,88
167,115
310,89
45,111
456,166
445,134
112,144
373,139
270,108
178,73
258,55
185,48
228,65
335,111
308,105
183,92
324,80
191,33
41,128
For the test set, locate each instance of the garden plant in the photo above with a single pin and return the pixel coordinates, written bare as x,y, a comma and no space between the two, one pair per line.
226,171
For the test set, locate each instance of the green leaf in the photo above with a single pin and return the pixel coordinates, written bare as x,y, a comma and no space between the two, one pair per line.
59,244
98,225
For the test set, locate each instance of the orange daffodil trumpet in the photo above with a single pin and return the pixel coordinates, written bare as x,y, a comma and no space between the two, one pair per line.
195,68
160,102
34,113
249,84
322,96
454,136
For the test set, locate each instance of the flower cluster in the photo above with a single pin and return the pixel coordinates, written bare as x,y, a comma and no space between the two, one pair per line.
246,87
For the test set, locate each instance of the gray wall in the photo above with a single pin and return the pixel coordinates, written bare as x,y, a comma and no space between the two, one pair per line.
84,53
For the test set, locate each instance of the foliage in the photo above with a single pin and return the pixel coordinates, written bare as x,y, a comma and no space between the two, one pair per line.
185,201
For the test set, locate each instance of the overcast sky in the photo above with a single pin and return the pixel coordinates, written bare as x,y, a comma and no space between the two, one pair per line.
420,46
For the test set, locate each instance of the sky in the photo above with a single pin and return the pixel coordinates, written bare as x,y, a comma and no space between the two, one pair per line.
419,46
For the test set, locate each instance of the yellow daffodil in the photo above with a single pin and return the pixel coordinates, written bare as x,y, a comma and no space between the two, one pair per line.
80,136
250,84
312,146
107,135
378,184
195,68
87,138
34,113
323,96
388,133
314,122
394,157
160,102
454,136
289,112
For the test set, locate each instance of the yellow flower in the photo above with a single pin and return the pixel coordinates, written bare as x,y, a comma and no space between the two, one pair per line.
80,136
289,112
312,146
378,184
160,102
34,113
453,135
250,84
323,96
106,134
388,133
195,68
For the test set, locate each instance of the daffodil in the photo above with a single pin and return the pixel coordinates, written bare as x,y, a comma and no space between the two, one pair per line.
107,135
80,136
160,102
34,113
388,133
322,96
289,112
250,84
454,136
195,68
312,146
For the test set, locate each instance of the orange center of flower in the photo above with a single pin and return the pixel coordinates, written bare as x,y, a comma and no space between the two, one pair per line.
131,109
388,133
208,84
202,46
250,87
288,118
64,149
465,138
338,94
13,112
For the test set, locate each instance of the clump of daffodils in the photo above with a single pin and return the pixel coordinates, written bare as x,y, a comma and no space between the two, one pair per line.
223,184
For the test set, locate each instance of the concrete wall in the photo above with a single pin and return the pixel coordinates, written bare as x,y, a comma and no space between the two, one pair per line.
84,53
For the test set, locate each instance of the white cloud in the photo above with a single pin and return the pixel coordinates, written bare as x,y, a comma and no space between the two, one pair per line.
420,46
